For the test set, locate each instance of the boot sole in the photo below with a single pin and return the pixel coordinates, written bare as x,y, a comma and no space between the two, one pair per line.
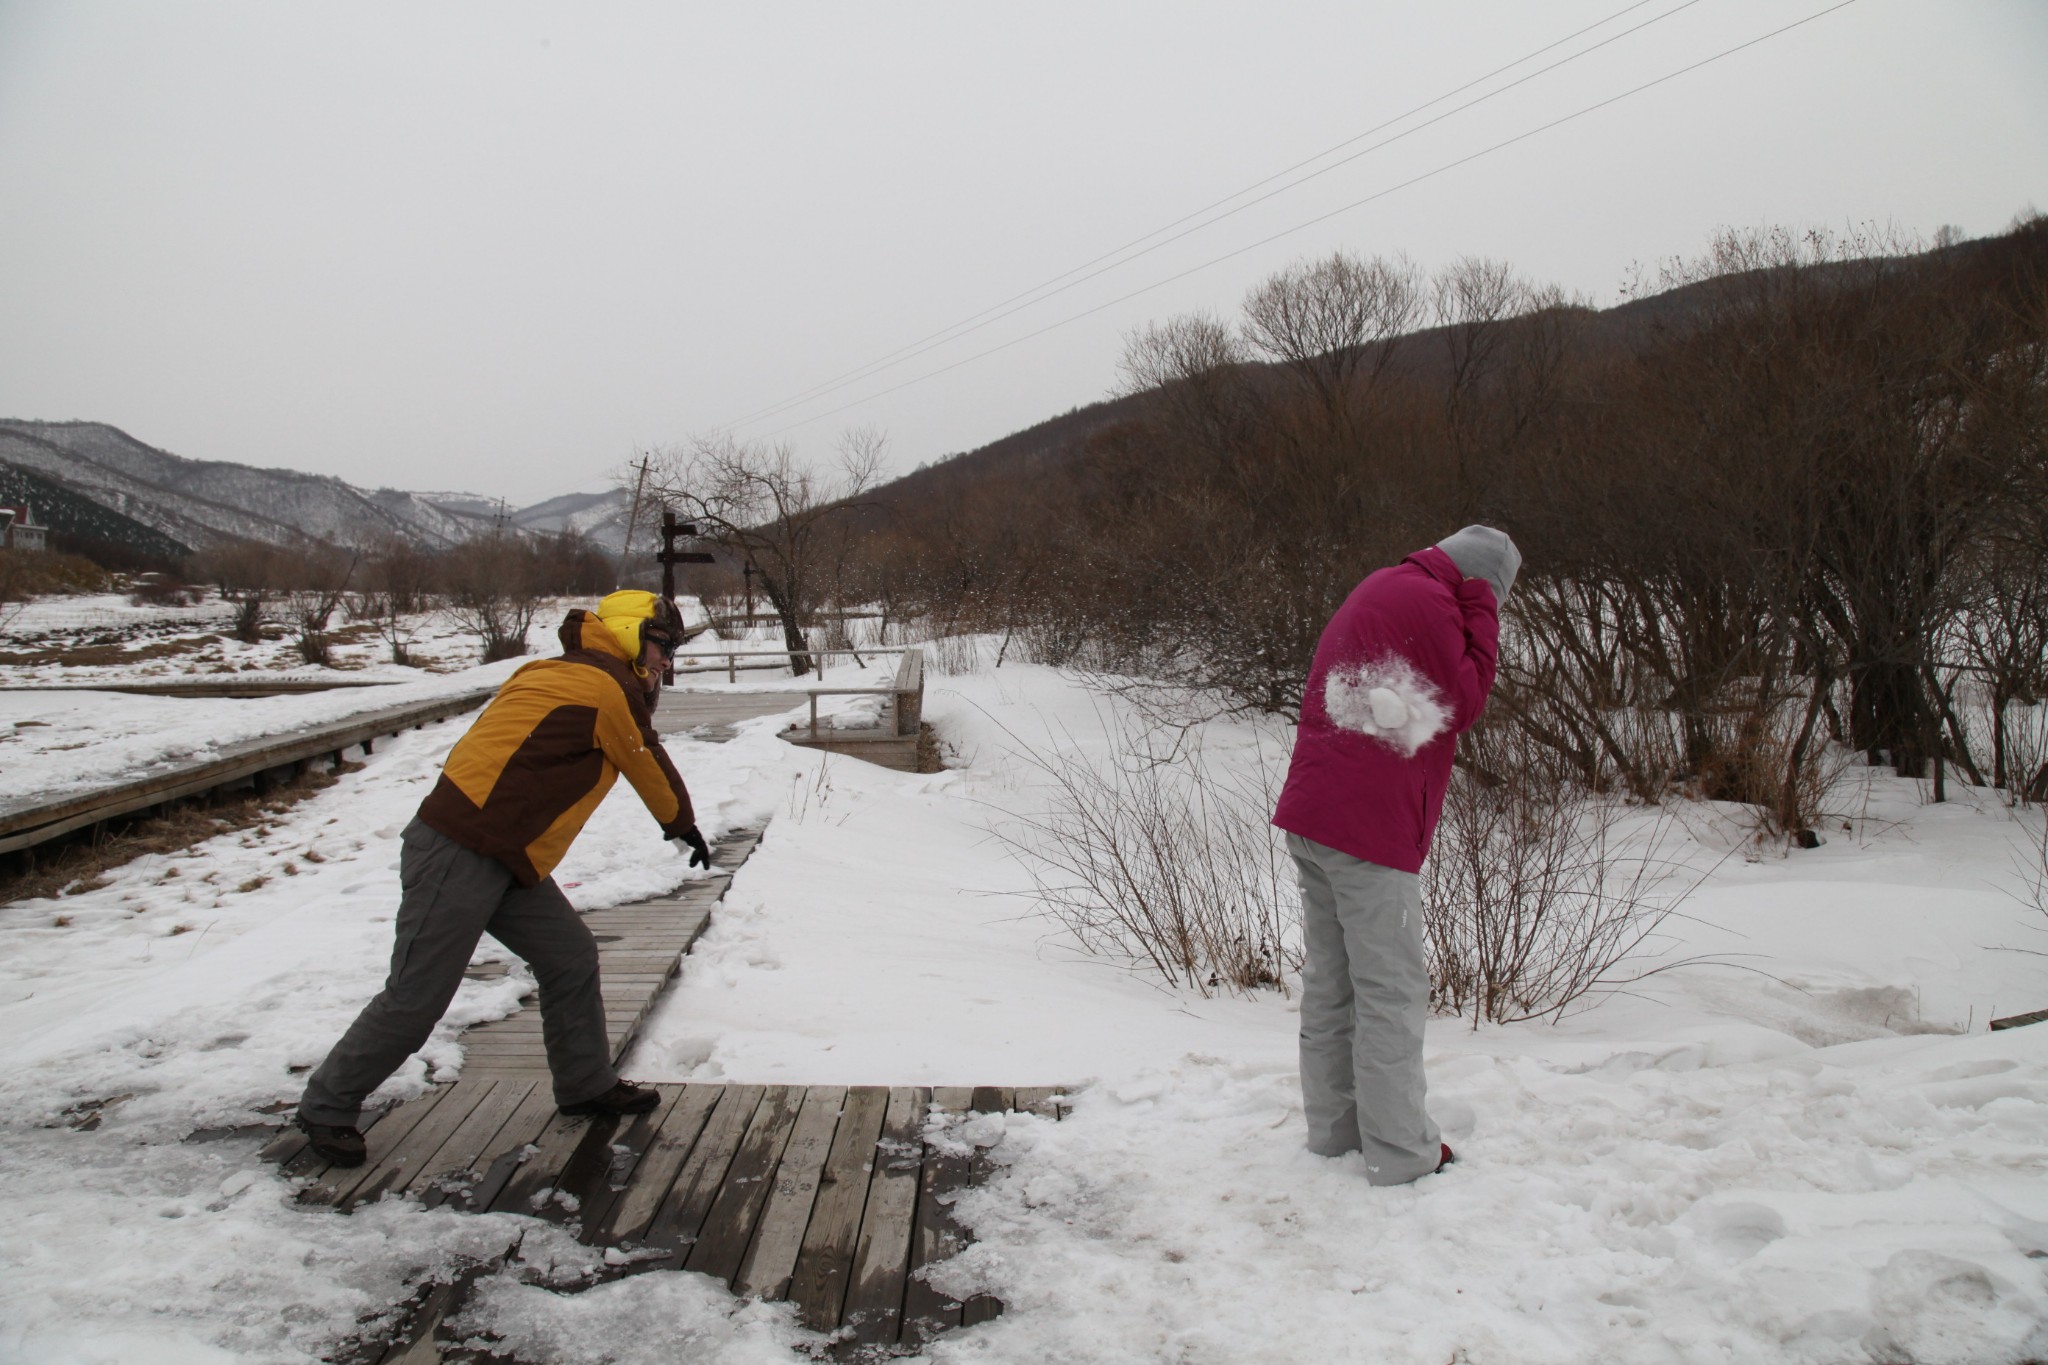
334,1158
588,1110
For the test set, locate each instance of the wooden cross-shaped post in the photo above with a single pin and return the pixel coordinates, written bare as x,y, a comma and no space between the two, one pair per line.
669,557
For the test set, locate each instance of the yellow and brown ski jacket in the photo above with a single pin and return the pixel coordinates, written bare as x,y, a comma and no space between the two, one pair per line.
520,784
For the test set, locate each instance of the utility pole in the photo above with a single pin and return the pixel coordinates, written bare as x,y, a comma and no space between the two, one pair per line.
748,575
632,518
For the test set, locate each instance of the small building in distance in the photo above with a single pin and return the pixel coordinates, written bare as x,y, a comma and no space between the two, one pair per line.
18,529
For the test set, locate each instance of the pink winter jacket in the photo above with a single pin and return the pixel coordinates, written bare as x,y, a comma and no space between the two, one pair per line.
1403,669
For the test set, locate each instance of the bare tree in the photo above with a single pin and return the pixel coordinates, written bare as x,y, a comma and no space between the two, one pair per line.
492,592
1336,323
770,510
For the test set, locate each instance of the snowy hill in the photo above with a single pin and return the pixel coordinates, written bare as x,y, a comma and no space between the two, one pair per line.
601,517
198,503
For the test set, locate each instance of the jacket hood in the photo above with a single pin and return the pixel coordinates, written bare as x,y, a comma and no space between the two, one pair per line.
582,630
1437,565
1482,552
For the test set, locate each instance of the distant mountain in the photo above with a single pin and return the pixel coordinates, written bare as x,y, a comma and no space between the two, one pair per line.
198,503
598,517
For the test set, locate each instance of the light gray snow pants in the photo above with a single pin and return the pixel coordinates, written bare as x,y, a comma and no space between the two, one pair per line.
449,898
1364,999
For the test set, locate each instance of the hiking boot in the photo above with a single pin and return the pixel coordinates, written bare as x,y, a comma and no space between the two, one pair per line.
623,1098
338,1143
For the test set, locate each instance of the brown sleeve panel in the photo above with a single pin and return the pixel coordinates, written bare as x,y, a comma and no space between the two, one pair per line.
555,767
629,741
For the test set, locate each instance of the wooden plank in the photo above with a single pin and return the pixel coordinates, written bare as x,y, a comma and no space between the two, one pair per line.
729,1227
881,1262
980,1307
628,1216
403,1162
527,1186
525,1130
1046,1101
585,1176
676,1223
458,1168
992,1099
938,1237
629,1147
287,1144
771,1260
823,1266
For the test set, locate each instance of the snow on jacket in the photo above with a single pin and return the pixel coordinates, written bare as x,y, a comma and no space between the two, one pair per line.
520,784
1402,670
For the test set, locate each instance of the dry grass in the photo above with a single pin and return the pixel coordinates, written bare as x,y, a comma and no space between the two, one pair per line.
1158,858
103,655
74,868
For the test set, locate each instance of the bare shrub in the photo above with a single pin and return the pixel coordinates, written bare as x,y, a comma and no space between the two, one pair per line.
310,608
2026,755
249,574
1529,901
492,593
163,590
1163,859
401,579
29,573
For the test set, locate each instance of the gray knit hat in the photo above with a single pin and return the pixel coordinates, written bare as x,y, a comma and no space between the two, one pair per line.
1482,552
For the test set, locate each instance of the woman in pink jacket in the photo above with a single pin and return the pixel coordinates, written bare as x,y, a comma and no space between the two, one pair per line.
1402,669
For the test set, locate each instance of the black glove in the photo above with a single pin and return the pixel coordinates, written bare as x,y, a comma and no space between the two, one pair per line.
693,842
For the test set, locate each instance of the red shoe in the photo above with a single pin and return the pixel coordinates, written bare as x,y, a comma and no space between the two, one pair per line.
1449,1157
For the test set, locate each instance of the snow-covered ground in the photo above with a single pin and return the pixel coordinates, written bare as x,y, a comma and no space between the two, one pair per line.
103,637
1814,1153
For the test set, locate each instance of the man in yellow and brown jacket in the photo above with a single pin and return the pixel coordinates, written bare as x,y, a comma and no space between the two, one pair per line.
512,796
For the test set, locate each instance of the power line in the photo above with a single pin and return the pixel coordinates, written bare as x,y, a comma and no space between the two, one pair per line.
1320,218
1044,290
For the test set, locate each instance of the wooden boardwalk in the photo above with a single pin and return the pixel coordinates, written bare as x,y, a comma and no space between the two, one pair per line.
711,716
827,1196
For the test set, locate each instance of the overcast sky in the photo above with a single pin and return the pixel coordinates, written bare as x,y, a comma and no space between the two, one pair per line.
500,247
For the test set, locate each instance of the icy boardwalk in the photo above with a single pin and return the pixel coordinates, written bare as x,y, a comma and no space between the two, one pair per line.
829,1196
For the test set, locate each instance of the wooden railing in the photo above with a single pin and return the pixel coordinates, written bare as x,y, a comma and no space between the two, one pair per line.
907,688
733,656
24,826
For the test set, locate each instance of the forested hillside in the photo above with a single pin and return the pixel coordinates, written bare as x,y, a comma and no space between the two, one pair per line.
1798,491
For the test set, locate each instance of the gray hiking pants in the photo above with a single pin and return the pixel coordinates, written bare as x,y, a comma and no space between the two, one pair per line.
449,898
1364,999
